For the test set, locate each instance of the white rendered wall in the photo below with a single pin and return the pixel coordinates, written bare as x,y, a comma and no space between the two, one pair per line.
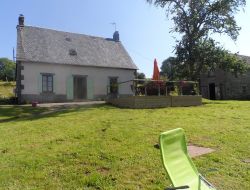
99,76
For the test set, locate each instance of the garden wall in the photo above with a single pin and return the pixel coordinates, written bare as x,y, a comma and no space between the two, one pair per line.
156,101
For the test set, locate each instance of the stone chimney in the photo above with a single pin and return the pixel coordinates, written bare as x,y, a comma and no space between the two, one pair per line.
21,20
116,36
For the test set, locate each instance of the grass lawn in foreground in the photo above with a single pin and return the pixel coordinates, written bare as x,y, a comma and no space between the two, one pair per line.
104,147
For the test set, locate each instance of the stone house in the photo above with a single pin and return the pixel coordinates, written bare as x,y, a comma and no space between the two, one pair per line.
221,85
56,66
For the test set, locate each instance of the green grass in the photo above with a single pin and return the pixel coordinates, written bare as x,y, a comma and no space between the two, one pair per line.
104,147
6,89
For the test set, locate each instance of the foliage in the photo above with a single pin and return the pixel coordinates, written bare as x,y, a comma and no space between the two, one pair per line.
207,58
72,148
6,93
196,21
182,88
153,88
172,90
168,68
6,89
7,69
141,76
231,63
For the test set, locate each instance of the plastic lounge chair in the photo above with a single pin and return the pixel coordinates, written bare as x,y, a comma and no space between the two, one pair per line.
178,164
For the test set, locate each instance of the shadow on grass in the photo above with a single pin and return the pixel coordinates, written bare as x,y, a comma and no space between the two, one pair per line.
25,113
214,102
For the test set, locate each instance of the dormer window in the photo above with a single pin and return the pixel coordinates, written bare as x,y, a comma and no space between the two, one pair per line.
72,52
68,39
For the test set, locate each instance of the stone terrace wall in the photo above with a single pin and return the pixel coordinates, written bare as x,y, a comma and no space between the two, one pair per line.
182,101
156,101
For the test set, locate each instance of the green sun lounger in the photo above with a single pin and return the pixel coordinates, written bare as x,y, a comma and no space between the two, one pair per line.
178,164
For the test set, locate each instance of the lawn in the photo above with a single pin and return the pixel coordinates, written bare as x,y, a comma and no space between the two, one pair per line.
104,147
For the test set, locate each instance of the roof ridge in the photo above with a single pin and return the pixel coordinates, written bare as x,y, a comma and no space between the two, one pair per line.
55,30
53,46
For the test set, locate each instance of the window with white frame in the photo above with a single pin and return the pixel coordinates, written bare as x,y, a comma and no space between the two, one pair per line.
47,83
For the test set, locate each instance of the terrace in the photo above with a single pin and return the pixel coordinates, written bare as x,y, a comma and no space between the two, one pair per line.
156,94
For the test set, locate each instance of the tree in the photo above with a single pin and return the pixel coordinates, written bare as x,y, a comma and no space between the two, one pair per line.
168,68
141,76
196,21
208,56
7,69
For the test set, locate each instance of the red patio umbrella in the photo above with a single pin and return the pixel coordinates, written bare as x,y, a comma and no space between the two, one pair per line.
156,74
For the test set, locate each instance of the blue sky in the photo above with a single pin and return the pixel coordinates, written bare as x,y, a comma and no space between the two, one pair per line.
144,29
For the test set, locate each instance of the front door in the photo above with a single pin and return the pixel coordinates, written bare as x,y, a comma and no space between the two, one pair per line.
80,88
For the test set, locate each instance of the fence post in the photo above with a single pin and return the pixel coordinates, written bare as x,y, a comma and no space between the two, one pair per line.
134,88
181,84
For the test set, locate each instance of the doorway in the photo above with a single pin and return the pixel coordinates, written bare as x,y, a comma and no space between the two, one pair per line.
212,91
80,87
113,87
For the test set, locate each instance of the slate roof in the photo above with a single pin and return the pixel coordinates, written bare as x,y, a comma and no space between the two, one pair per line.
42,45
246,58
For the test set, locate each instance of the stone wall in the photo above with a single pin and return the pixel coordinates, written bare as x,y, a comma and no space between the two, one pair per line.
152,101
156,101
183,101
227,85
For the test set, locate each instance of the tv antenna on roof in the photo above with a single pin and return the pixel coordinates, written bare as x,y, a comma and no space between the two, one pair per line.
114,24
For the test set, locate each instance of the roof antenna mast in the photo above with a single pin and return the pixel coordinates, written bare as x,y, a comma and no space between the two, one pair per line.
114,24
13,54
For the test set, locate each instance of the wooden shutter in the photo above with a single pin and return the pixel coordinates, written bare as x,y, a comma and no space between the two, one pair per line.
90,89
108,86
40,83
54,83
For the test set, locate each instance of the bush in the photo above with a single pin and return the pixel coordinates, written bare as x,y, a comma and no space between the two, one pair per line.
7,69
153,88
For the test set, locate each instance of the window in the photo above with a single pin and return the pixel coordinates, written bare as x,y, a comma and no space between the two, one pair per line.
68,39
72,52
47,82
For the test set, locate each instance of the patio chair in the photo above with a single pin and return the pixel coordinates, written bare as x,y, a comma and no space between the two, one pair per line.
178,164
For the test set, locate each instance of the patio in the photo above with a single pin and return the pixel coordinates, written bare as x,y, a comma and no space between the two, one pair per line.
158,94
